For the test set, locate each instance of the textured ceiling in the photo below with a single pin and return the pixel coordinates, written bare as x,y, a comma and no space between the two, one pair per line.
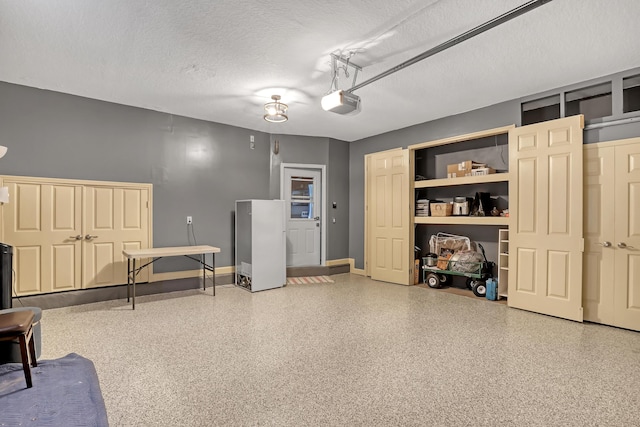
222,60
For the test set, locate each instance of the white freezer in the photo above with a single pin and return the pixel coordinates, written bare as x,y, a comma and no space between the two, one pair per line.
260,244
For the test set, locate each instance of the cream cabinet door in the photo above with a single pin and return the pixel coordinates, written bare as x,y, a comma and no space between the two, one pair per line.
43,223
546,202
388,216
626,244
115,219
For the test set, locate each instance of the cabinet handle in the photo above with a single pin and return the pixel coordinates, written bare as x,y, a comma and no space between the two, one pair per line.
622,245
605,244
89,237
78,237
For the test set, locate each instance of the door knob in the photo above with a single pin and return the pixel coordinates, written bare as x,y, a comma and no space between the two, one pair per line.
622,245
78,237
605,244
317,218
89,237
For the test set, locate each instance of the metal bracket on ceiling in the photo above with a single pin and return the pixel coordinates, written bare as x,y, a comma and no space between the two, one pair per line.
346,63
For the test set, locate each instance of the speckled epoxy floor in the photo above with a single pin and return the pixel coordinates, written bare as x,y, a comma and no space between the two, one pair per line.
352,353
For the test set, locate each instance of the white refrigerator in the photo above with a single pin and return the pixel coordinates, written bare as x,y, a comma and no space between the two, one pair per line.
260,244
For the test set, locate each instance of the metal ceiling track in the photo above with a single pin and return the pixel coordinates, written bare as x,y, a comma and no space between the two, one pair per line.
520,10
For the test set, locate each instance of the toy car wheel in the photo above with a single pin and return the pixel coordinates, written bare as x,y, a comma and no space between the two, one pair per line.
443,278
433,281
479,288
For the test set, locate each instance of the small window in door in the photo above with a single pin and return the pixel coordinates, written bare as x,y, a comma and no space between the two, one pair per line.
631,94
541,110
302,197
593,101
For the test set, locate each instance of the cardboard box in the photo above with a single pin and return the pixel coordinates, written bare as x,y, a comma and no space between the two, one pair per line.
463,168
482,171
441,209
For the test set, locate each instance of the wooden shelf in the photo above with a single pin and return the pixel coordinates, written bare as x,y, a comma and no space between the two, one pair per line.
462,220
463,180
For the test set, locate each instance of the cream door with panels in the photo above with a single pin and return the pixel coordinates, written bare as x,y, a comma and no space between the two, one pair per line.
69,234
388,216
598,261
627,236
612,229
43,222
545,242
115,219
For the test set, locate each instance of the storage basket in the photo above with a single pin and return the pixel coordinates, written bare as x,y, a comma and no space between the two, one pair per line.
441,209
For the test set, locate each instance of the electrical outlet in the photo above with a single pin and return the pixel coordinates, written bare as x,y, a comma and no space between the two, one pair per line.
189,220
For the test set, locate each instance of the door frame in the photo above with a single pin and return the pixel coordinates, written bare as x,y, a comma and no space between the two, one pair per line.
323,202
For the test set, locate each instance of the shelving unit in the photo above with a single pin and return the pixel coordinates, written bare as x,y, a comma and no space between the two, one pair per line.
427,159
503,263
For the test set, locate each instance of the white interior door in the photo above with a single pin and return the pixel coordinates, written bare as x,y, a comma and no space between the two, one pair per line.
388,217
302,193
627,236
546,201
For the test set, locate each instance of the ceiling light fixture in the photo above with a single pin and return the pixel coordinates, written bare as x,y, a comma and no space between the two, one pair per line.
276,111
3,151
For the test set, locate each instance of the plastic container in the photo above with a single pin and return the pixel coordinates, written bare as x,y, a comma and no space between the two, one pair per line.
492,289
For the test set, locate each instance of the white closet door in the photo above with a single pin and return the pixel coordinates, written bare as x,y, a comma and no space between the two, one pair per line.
546,201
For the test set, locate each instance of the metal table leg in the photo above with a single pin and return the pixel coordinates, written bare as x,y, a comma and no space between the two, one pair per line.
128,276
133,280
213,272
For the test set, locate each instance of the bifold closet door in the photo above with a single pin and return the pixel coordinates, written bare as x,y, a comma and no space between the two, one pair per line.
115,219
599,230
612,234
546,202
388,216
627,236
43,222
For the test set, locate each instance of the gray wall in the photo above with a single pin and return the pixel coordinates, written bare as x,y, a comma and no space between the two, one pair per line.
197,168
338,182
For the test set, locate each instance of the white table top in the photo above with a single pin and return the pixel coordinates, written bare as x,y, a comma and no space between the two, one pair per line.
169,251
